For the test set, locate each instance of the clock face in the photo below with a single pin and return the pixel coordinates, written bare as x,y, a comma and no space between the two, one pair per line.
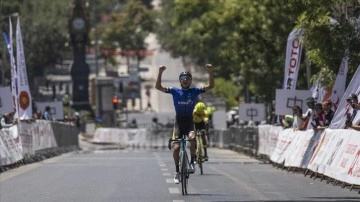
78,23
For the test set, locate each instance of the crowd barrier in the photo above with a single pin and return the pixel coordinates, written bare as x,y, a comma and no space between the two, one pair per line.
331,153
334,154
27,138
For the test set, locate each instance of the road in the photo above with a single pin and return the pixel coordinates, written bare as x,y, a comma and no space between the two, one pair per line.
147,175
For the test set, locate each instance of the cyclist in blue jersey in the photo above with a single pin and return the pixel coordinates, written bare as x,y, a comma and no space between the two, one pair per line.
184,100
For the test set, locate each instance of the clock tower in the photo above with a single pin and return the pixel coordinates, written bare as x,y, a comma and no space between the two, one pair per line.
79,29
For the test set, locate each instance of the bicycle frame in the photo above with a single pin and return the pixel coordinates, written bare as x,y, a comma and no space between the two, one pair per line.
199,150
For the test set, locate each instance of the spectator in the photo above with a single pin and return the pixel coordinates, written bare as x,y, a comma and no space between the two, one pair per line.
286,121
298,123
308,116
7,120
318,121
77,120
355,105
47,113
328,114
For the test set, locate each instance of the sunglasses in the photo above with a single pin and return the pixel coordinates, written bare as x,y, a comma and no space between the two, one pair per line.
183,78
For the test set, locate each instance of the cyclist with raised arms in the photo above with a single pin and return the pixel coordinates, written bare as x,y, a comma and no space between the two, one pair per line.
184,100
201,121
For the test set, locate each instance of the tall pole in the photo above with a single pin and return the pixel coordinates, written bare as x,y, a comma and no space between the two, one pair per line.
4,55
96,39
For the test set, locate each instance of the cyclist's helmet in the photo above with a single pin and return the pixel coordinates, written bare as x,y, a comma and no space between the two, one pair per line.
310,100
200,106
185,74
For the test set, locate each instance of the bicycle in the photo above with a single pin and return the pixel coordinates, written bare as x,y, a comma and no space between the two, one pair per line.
199,150
184,164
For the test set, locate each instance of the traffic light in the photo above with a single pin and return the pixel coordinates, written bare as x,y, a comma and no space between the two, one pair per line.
115,102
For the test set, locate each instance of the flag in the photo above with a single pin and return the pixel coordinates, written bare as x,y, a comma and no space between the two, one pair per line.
24,96
292,60
344,108
340,82
13,70
318,91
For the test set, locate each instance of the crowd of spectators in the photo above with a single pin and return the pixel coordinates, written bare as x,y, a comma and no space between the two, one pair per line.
319,115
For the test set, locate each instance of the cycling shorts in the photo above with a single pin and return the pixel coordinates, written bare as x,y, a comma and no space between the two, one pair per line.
183,126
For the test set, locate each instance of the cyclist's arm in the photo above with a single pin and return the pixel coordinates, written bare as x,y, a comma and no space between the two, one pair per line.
158,81
211,84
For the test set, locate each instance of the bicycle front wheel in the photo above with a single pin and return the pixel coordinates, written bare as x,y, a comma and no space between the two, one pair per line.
183,171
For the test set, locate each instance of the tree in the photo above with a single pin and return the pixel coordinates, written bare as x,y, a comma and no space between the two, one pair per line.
44,31
128,29
238,37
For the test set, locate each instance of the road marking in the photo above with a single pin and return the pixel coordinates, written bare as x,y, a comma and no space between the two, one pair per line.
174,190
164,169
26,168
162,165
243,185
169,180
166,174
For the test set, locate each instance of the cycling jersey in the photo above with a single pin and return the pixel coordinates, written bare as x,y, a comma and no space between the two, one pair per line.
184,100
200,116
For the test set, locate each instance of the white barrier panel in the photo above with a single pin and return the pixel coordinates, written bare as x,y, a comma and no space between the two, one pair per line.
44,136
10,146
121,136
334,153
268,137
25,138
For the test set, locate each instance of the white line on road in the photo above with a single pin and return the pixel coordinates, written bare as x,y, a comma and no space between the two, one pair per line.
170,181
164,169
166,174
174,190
162,165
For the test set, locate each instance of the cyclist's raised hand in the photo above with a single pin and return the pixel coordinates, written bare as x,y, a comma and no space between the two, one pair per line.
162,68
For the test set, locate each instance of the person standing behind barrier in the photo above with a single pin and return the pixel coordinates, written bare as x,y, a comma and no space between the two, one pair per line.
7,120
298,123
47,113
184,100
318,118
354,103
308,116
328,114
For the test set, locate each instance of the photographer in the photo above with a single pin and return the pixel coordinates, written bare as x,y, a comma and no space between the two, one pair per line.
353,101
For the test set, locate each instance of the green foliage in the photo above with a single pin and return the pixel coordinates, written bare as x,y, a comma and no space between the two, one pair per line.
44,30
226,89
128,29
249,38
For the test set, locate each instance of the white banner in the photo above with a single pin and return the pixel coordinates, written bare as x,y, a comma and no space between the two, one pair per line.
56,109
287,99
340,82
318,91
24,95
344,108
6,103
252,112
8,42
292,60
124,137
10,146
